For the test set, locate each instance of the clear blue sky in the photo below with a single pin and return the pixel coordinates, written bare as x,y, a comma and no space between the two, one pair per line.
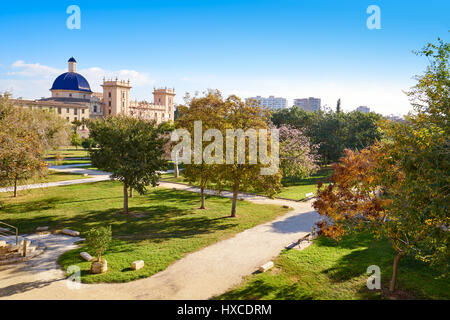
293,49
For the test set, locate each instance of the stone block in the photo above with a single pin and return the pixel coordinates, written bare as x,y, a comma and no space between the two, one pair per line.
266,266
86,256
70,232
137,265
40,229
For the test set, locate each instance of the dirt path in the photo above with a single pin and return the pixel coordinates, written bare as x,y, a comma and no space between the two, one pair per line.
200,275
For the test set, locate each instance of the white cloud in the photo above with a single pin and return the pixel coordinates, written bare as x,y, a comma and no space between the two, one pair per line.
33,80
32,70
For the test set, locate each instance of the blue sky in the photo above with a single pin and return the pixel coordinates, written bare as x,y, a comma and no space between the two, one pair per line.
284,48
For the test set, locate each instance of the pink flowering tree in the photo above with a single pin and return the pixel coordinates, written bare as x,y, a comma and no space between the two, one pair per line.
298,156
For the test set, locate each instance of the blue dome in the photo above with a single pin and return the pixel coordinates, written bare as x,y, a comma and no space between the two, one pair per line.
71,81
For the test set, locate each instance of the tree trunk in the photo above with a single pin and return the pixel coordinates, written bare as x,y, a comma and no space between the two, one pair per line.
394,272
202,192
131,192
235,196
125,198
15,187
175,168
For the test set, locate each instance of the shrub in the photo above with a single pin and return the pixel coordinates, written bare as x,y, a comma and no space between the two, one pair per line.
98,239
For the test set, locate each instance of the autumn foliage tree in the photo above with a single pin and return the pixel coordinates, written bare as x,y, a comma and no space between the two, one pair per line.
25,136
399,187
248,115
210,112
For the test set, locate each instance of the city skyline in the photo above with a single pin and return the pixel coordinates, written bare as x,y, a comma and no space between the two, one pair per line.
322,51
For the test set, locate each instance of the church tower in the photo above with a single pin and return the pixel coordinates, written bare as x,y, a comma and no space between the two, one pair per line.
72,65
116,97
165,97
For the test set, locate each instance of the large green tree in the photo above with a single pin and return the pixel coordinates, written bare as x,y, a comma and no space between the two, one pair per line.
131,149
332,131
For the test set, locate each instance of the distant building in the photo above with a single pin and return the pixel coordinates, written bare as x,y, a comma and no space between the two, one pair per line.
308,104
363,109
271,102
72,99
395,118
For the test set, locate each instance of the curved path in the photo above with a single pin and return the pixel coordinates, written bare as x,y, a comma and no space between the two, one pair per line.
199,275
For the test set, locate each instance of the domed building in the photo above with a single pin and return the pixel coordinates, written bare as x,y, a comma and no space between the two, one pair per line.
73,99
71,84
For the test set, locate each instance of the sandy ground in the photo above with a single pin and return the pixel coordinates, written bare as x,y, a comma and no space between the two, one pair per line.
200,275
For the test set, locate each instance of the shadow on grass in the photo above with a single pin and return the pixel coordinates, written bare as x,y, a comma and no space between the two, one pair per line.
261,289
323,175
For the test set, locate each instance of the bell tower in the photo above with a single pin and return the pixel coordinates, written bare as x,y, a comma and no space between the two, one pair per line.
165,97
72,65
116,97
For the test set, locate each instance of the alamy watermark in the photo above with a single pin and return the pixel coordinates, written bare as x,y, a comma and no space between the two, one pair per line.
213,153
374,20
374,281
74,20
73,282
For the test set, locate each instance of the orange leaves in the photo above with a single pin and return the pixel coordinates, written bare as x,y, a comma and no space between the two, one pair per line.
354,198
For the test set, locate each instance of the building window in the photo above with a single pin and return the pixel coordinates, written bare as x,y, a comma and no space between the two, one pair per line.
68,119
82,111
109,103
95,108
59,110
109,111
75,111
109,94
70,94
67,110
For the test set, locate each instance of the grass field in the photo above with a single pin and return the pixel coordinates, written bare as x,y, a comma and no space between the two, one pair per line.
337,270
68,152
66,162
162,226
295,189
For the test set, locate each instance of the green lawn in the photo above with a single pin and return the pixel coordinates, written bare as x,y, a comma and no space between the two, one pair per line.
295,189
337,270
66,162
68,152
163,225
54,176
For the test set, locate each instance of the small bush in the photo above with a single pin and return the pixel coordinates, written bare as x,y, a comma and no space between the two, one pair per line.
88,143
99,239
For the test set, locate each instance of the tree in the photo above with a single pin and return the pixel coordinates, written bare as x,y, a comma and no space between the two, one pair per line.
243,176
75,140
88,143
132,149
298,156
338,106
25,135
332,131
399,188
210,111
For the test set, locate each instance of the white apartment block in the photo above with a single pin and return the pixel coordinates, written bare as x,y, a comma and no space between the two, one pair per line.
363,109
271,102
308,104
